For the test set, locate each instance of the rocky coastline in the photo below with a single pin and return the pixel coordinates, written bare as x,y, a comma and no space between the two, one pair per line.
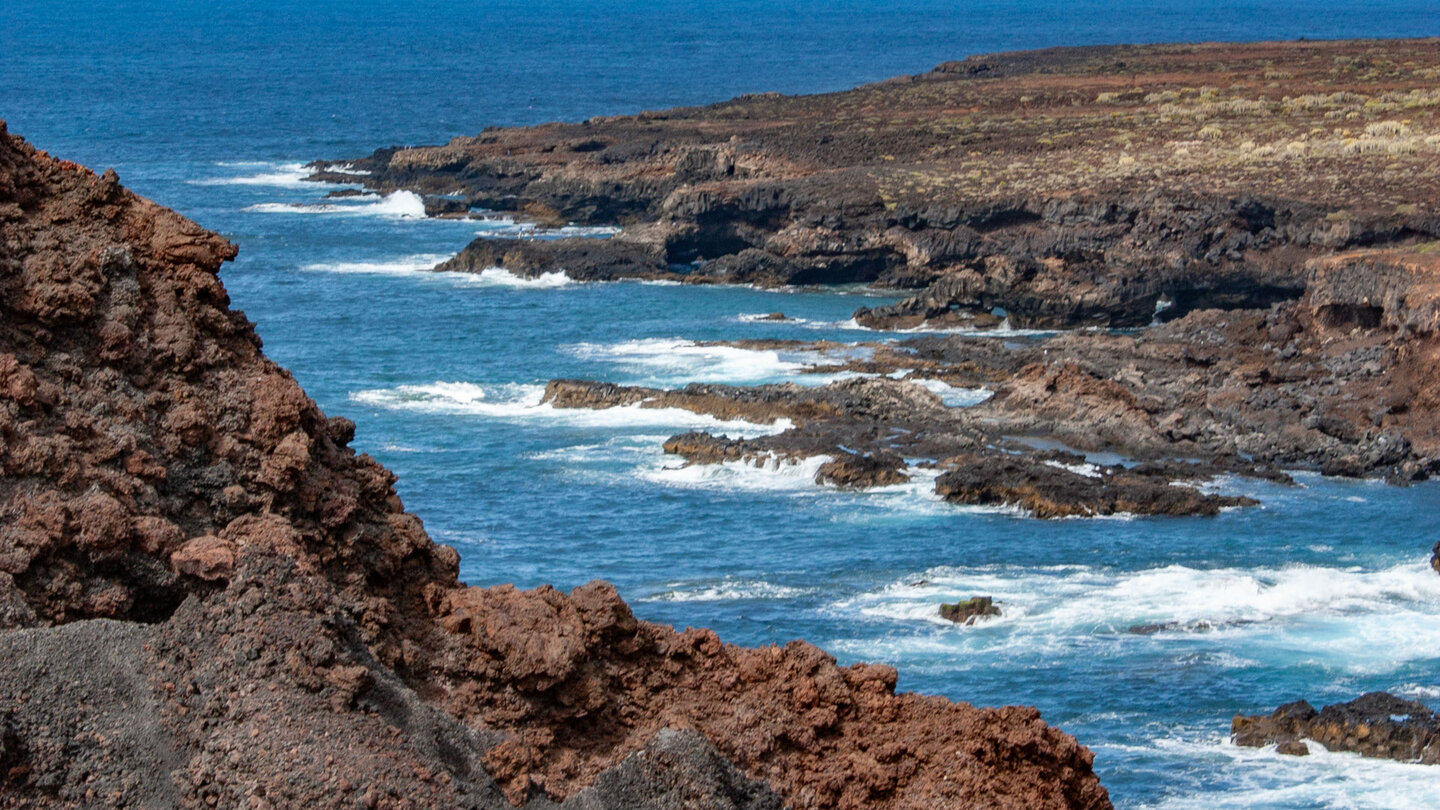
1236,247
208,599
1236,243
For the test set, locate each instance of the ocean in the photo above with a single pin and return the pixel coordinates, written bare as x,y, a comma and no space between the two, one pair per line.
1323,592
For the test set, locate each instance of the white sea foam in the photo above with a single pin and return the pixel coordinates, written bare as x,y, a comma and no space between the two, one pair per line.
1263,778
403,266
925,329
514,401
624,448
423,266
769,475
678,361
728,589
1360,621
278,175
952,396
507,228
1087,469
500,277
1418,691
396,205
346,168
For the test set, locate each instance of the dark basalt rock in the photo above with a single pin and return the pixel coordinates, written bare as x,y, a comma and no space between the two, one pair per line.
1376,724
677,770
970,610
582,259
1289,318
1049,491
777,190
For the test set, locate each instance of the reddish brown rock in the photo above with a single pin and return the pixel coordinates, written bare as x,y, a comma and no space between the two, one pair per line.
207,599
207,557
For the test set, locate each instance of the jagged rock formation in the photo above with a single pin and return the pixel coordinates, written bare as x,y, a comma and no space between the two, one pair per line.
208,599
865,427
1341,381
1376,724
1263,213
1074,186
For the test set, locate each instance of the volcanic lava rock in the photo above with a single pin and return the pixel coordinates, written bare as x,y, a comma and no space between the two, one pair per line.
1376,724
1278,261
1050,490
583,259
208,599
856,471
1064,191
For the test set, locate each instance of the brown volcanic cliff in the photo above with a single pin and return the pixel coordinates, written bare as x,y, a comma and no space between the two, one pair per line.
207,599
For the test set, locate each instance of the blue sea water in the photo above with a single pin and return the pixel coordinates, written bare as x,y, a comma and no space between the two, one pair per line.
1323,592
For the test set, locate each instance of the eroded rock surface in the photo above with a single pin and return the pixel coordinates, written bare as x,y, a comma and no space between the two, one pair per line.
1376,724
1340,381
206,598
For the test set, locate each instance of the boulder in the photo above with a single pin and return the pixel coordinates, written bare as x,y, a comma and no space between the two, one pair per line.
970,610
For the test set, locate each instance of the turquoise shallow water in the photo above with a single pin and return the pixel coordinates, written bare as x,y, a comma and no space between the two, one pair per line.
1323,592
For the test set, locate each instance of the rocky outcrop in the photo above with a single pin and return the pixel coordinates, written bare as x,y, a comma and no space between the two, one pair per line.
1052,490
1273,242
208,599
1077,187
1340,381
583,259
1376,724
865,427
969,611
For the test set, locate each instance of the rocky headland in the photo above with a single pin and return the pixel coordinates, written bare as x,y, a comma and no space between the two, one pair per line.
1066,187
208,599
1248,232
